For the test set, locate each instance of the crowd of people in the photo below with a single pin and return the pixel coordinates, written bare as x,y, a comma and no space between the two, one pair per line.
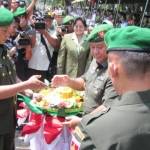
110,64
122,14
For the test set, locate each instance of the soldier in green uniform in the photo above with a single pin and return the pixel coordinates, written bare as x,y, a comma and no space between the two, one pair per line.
8,88
67,26
99,91
126,125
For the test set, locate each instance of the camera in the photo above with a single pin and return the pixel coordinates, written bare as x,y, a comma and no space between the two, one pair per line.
5,3
24,39
64,28
22,3
39,23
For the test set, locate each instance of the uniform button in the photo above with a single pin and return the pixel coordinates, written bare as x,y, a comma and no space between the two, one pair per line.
96,92
9,72
4,57
97,70
3,74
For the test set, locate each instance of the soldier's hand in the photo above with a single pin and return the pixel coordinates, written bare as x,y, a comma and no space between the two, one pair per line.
72,121
28,92
34,83
60,80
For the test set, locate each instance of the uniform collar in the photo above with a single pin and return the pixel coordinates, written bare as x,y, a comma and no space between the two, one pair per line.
74,37
102,65
132,98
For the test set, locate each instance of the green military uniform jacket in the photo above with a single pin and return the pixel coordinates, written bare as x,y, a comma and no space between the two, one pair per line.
7,106
126,126
73,59
98,87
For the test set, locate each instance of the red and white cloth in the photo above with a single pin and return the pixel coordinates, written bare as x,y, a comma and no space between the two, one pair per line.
45,132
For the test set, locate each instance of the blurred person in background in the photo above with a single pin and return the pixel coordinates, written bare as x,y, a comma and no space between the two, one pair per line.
66,27
74,53
10,42
14,5
25,34
45,43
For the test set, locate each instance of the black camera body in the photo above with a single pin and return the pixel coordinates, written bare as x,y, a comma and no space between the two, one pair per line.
64,29
5,3
40,23
24,39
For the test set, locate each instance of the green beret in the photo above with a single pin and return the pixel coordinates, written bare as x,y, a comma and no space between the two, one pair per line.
107,22
67,19
6,17
94,37
131,38
19,11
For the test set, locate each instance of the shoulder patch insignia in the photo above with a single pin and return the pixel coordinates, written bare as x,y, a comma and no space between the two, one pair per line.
90,117
79,133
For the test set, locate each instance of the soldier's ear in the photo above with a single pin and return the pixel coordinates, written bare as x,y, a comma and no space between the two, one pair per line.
113,71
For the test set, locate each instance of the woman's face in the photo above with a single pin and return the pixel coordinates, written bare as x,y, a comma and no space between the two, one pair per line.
79,28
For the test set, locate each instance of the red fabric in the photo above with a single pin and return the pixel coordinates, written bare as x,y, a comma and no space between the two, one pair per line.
35,122
22,113
52,128
22,104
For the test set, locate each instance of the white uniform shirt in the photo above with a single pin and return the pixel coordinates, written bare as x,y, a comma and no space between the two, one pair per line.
39,59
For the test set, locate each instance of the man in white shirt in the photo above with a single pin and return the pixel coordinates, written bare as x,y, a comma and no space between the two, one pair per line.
39,62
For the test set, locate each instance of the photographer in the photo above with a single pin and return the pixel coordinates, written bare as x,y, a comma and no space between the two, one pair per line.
25,42
14,4
67,26
46,42
5,3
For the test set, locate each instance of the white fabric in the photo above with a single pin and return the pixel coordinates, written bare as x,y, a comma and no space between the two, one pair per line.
37,141
78,43
39,59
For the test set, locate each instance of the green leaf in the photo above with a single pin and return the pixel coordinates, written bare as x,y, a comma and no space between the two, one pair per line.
29,103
